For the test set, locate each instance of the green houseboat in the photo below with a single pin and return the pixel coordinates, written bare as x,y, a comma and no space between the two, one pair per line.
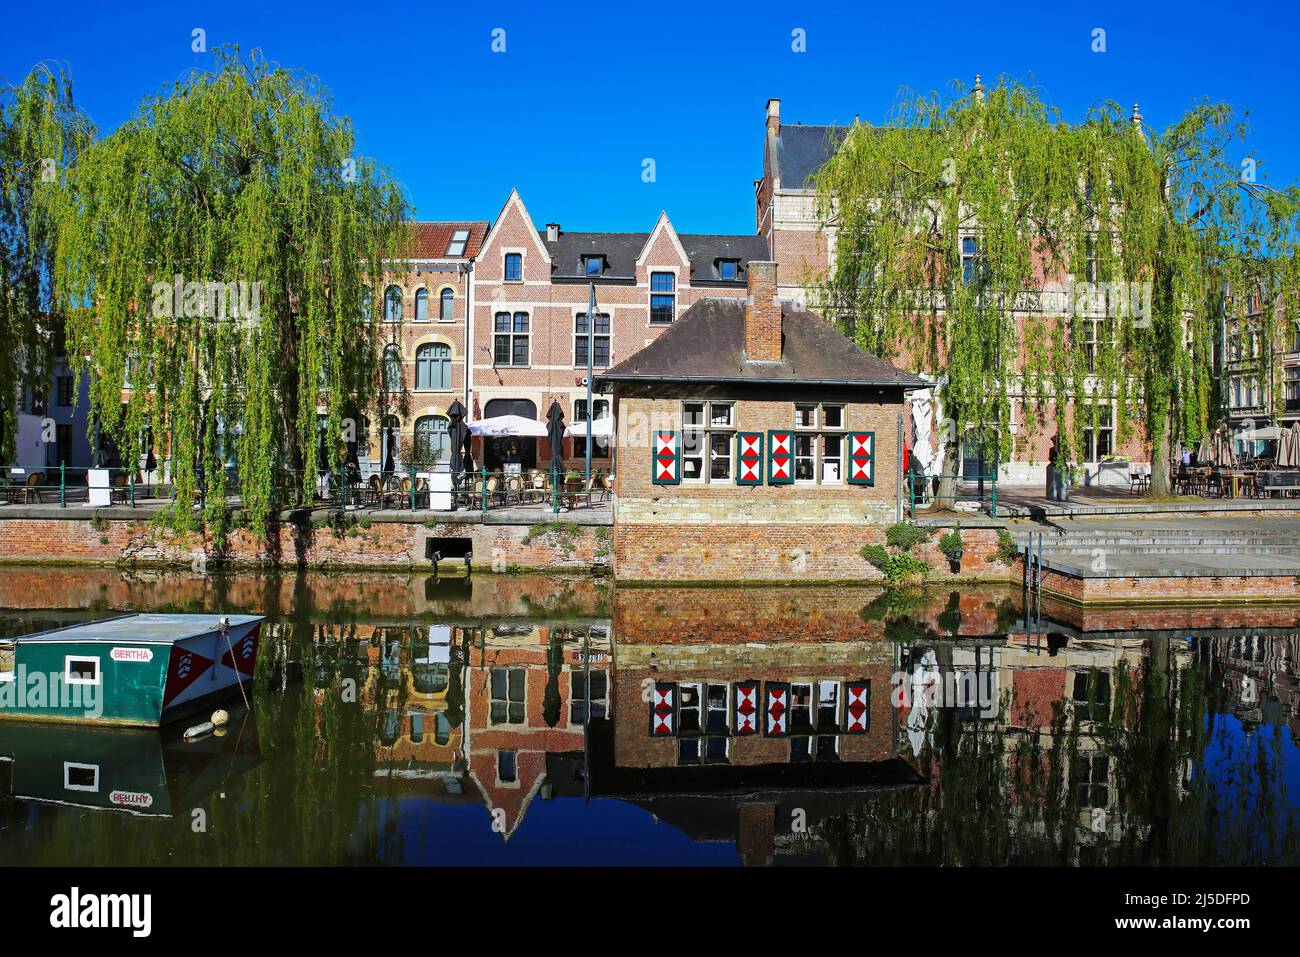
143,670
148,772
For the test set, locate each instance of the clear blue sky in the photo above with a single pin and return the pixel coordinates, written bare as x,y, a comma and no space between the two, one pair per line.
586,91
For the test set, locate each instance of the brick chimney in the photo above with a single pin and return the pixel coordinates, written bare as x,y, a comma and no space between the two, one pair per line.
762,314
774,116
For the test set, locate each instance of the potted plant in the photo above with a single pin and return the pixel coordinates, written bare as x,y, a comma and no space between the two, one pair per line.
951,546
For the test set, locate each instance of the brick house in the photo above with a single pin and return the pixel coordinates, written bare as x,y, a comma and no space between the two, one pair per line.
425,316
755,442
786,216
530,295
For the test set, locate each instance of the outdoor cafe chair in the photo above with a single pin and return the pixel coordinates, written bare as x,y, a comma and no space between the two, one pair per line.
32,487
538,489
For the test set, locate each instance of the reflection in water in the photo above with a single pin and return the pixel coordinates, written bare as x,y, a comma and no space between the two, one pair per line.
537,720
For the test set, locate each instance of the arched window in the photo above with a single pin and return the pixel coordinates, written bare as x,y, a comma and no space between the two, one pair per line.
432,444
367,303
433,367
393,303
422,305
392,368
446,301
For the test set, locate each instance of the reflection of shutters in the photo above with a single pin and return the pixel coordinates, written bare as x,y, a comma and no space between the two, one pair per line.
745,706
862,458
663,709
780,458
749,456
857,707
667,459
776,709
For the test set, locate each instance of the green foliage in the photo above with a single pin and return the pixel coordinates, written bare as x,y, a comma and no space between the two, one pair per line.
903,535
42,133
950,543
1008,550
240,175
898,567
1053,206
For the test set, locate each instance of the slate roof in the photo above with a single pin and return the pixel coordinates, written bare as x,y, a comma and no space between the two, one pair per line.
431,239
801,151
707,344
621,250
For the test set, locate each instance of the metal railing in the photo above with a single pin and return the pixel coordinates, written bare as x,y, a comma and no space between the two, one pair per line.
923,489
27,485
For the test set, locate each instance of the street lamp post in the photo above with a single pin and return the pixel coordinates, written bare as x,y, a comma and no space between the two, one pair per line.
591,345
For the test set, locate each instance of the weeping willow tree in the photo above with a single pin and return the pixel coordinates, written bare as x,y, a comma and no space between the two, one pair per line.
1053,268
41,134
223,237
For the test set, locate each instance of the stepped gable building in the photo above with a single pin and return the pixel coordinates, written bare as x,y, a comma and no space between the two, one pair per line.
529,328
756,442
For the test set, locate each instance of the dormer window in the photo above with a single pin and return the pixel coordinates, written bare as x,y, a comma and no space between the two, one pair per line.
593,266
728,269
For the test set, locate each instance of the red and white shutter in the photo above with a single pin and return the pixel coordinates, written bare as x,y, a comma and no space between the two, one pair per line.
862,458
745,713
667,464
749,458
780,457
857,707
663,710
776,709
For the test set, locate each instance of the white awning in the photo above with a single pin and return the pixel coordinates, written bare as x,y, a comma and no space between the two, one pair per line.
600,429
503,425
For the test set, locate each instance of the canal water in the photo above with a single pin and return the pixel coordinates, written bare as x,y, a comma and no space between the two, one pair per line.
537,720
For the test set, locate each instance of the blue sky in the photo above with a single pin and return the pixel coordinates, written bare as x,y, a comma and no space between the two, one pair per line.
585,92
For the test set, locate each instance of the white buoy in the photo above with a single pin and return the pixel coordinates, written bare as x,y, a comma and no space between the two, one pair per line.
219,718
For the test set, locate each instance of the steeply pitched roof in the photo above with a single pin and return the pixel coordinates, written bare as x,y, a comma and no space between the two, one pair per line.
707,344
802,150
621,250
431,240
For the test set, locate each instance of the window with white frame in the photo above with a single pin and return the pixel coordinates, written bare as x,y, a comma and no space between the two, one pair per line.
513,267
421,305
708,431
599,446
599,341
506,695
1099,439
446,306
1293,389
81,670
510,334
663,297
819,443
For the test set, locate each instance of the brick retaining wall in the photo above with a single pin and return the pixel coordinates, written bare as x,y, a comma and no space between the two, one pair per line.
378,543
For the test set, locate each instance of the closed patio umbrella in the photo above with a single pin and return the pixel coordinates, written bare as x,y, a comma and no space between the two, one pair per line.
456,432
555,435
1204,453
1288,447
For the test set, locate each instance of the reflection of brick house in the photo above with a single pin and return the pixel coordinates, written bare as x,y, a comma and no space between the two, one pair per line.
1264,676
523,704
